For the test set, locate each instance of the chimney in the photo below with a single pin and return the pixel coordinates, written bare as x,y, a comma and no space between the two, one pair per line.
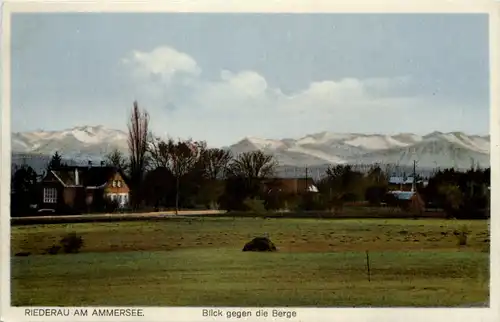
102,163
77,177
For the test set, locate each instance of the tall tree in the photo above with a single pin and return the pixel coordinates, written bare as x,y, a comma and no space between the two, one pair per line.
138,146
215,163
182,159
251,169
160,151
55,162
184,156
253,165
342,177
376,185
117,159
343,184
23,189
23,179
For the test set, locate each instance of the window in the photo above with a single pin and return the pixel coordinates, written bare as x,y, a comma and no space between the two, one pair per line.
118,184
114,183
49,195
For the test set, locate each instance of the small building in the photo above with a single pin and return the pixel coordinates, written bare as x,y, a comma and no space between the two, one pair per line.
404,184
406,200
80,189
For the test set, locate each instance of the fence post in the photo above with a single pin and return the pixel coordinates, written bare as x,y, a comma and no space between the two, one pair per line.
368,265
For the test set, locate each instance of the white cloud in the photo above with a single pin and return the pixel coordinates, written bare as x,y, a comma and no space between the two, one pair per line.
248,83
242,103
163,64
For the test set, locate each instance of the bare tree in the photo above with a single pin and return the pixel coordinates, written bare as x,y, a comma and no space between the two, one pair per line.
117,159
253,165
215,163
251,169
184,156
138,146
212,167
160,151
180,158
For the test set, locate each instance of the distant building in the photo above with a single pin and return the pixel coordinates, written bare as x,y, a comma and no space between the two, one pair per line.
406,199
404,184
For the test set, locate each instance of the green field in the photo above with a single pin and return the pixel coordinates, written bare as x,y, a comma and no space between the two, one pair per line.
199,262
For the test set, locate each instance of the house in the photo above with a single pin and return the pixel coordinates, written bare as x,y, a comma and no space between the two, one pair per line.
406,199
291,186
80,189
404,184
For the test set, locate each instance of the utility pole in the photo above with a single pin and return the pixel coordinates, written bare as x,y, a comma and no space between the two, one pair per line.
399,177
306,177
413,186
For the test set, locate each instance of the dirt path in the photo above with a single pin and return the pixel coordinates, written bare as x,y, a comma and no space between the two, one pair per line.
111,217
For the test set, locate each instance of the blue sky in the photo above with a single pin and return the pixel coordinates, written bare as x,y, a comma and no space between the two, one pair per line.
221,77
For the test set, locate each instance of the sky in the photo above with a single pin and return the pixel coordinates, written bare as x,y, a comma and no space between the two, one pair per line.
223,77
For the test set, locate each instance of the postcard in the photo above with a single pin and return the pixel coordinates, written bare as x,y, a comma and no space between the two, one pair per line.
260,161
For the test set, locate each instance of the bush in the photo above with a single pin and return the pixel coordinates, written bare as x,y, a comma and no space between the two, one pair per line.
259,244
71,243
461,235
255,205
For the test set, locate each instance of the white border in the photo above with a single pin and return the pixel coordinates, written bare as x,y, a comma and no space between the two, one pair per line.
8,313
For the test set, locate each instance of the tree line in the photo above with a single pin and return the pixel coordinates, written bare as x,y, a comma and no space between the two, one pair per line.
186,174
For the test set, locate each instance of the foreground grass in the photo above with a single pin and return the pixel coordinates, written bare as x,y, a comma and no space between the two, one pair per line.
200,263
292,235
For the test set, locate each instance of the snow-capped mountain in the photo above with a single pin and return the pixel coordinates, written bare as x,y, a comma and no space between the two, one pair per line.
78,142
433,150
429,154
437,149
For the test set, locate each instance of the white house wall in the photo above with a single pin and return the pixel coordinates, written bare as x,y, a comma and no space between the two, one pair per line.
122,198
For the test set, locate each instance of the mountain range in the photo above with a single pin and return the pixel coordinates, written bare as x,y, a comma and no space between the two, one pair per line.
436,149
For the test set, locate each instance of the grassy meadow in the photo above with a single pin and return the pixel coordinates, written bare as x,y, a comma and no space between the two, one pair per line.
199,262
